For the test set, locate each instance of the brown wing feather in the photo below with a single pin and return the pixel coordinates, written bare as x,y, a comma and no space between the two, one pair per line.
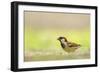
71,44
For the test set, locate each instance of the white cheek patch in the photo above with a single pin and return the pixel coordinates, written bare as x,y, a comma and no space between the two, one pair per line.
64,42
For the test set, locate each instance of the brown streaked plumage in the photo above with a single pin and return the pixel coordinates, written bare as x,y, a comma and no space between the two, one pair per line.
68,46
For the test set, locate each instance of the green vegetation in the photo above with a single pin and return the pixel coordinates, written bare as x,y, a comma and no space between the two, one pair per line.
43,44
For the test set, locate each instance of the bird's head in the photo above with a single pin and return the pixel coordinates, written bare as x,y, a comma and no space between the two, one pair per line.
62,39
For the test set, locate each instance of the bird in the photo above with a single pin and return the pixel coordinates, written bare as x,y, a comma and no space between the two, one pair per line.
68,46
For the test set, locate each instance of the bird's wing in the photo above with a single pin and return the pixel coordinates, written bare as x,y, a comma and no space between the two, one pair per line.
71,44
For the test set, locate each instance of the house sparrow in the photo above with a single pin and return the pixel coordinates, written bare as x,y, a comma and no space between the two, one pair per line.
68,46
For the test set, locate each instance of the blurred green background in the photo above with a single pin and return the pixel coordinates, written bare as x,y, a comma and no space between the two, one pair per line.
43,28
